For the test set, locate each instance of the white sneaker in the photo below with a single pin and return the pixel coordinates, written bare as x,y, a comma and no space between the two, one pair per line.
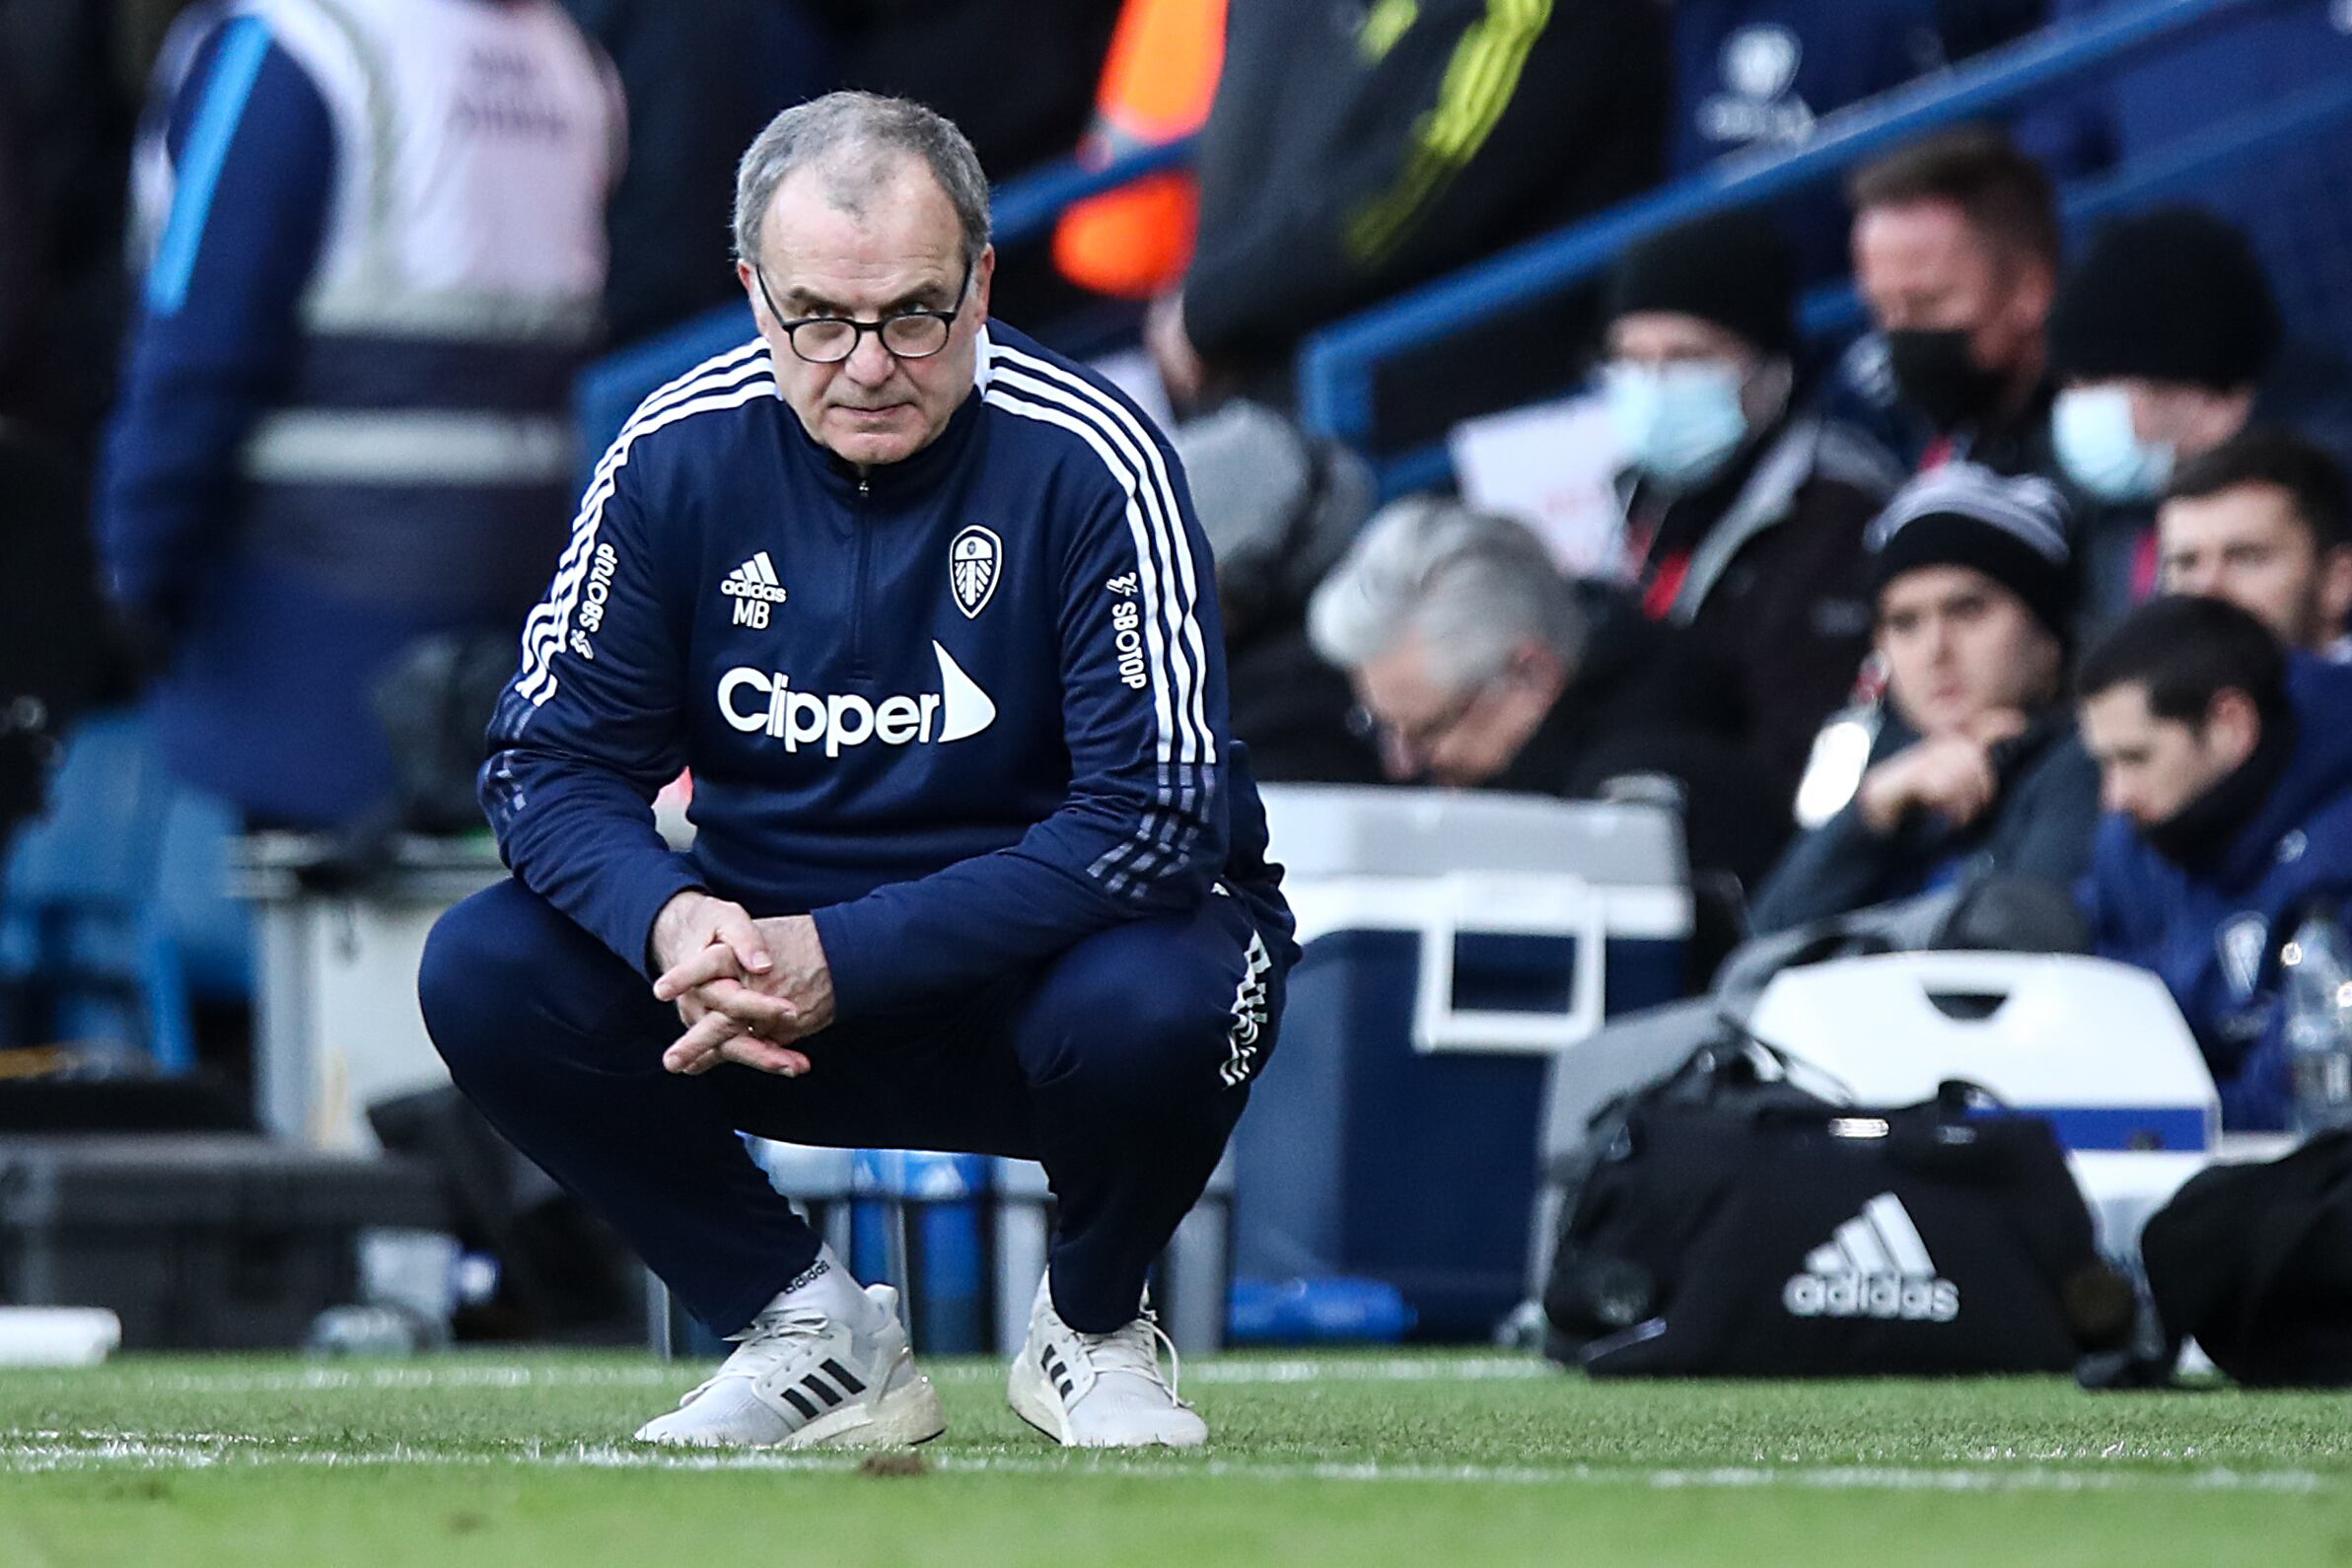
822,1364
1100,1391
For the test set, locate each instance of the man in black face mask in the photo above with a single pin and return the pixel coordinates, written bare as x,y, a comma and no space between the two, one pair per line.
2227,764
1955,253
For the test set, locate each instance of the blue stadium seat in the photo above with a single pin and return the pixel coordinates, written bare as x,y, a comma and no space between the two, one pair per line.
211,929
81,932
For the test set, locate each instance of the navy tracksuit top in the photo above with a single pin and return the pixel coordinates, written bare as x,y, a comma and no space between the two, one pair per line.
967,709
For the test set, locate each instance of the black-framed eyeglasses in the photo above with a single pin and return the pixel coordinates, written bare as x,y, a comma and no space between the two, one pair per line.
831,340
1420,737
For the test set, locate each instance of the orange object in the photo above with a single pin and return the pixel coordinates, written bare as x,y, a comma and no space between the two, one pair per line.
1158,82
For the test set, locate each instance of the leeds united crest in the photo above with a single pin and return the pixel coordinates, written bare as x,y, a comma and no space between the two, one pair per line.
973,561
2242,944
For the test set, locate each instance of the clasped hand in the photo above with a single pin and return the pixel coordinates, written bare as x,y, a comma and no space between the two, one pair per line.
1953,776
746,989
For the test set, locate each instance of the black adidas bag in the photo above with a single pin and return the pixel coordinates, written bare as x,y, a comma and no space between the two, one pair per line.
2255,1262
1731,1225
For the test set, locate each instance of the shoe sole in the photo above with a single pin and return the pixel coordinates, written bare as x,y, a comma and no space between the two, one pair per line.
904,1417
1034,1400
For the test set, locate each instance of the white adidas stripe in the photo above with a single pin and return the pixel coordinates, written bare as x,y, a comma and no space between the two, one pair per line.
539,684
723,369
1881,1239
543,632
729,380
759,571
726,367
543,628
1861,1243
1165,698
1160,505
1165,572
1180,585
1904,1243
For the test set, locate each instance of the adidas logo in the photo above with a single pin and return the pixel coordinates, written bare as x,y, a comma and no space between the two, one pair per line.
753,587
755,578
1875,1265
812,1396
1059,1375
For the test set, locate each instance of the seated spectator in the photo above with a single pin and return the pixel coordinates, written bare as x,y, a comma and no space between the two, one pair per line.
1743,516
1478,664
1955,253
2265,521
2228,766
2168,340
1278,510
2164,106
1977,769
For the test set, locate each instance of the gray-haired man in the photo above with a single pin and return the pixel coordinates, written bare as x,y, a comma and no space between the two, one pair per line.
924,608
1477,665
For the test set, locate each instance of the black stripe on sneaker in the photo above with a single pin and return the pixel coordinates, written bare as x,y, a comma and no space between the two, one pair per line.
841,1375
1063,1383
793,1396
822,1389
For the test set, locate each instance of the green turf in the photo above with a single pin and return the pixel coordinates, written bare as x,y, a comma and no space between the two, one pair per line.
1443,1462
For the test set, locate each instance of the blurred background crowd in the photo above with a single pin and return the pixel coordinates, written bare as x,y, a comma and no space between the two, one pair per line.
1883,579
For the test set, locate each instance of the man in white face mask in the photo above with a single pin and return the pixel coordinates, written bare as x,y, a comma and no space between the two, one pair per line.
2169,343
1744,512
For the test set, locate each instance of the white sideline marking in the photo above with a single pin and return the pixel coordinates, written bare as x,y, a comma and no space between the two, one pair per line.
37,1452
1235,1371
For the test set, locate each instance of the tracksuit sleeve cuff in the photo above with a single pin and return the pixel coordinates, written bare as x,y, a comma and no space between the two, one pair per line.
847,932
643,903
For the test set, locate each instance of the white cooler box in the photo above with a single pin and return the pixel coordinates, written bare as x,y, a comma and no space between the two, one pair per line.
2096,1047
2099,1048
1455,943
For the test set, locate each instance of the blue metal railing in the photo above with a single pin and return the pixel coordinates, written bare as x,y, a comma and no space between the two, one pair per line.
2181,169
1023,209
1337,366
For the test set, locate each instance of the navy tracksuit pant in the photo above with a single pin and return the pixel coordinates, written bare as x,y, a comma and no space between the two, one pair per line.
1121,1065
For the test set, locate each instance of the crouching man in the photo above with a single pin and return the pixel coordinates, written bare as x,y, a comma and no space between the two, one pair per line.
925,609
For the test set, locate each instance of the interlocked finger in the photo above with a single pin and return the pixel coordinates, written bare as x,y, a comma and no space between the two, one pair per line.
758,1012
698,1049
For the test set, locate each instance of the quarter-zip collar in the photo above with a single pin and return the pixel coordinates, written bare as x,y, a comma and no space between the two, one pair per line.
910,476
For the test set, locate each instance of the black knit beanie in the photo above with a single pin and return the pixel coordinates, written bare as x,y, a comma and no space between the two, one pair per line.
2172,295
1730,267
2013,531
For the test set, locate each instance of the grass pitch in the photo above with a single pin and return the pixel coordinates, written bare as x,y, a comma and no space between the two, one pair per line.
1436,1461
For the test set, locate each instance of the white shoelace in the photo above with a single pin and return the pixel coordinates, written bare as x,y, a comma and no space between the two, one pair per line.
773,1338
1135,1350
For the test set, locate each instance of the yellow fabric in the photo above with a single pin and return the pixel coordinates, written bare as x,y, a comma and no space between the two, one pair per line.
1479,81
1386,23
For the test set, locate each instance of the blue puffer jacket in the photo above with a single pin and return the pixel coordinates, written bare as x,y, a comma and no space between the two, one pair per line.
2214,938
